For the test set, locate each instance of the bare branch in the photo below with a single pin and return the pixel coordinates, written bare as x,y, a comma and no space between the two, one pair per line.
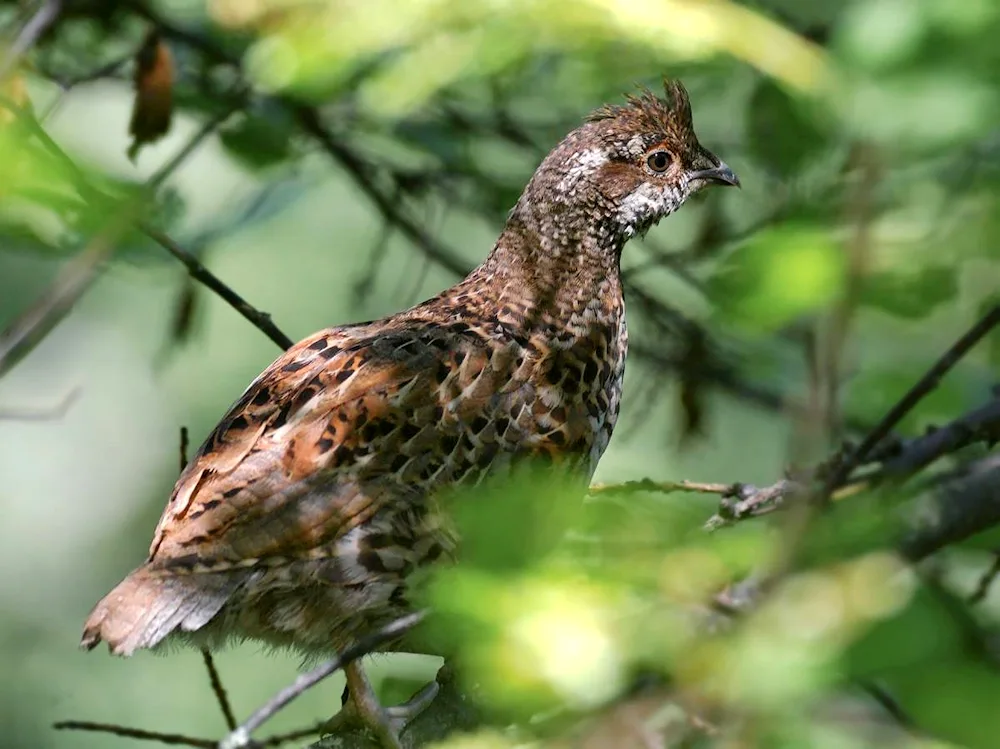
30,33
135,733
27,330
986,581
959,507
361,172
220,691
908,457
38,414
924,385
240,737
259,319
649,485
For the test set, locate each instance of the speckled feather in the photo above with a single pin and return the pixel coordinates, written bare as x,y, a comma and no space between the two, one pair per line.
302,516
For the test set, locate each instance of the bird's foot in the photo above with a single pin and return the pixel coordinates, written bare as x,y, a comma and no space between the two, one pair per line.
363,708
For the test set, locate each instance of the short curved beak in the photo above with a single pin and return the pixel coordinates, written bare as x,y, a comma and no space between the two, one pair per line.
719,175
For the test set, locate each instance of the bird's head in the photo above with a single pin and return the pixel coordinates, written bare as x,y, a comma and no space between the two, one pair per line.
630,165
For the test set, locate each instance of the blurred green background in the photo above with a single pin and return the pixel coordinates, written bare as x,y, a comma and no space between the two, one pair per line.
463,99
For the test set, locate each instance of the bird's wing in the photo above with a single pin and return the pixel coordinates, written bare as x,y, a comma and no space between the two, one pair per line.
344,422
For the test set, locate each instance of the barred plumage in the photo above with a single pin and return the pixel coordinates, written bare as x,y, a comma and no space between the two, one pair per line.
302,516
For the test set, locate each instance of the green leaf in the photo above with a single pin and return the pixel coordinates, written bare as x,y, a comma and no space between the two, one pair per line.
260,140
510,523
911,294
927,660
777,276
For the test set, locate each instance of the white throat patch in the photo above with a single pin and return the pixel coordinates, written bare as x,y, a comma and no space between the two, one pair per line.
644,205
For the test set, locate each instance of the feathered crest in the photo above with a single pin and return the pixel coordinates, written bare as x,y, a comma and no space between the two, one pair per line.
672,112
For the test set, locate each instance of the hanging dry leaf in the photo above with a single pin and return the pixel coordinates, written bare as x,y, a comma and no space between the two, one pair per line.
153,106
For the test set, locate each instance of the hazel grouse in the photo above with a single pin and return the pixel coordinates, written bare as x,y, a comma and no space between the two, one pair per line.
301,517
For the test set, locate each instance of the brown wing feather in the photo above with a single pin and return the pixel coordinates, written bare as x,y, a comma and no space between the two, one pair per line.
341,423
246,495
317,477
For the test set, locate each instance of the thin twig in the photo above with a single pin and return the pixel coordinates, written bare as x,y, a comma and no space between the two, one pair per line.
183,450
259,319
29,328
284,738
360,172
135,733
219,690
54,412
241,736
889,704
649,485
986,581
213,673
30,33
922,388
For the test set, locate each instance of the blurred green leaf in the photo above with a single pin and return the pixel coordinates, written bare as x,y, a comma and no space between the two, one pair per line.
874,391
535,505
912,294
260,139
785,133
777,276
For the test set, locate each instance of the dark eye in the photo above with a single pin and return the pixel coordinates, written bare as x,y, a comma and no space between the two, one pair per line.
658,161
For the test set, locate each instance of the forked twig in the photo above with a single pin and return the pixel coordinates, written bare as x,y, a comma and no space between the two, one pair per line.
917,393
240,738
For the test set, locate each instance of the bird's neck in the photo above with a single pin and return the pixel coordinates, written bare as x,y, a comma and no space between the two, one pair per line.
552,270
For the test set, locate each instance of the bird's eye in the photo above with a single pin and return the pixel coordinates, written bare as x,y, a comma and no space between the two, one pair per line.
658,161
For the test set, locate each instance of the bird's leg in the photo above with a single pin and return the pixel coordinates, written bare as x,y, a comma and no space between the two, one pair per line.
362,706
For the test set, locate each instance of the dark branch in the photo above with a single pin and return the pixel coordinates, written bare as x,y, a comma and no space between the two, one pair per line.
908,457
259,319
924,385
958,508
135,733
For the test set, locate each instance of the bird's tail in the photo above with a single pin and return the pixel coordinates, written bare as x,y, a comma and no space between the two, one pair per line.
148,605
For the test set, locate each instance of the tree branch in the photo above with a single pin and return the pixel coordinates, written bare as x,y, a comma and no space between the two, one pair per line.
958,508
240,737
923,386
30,33
259,319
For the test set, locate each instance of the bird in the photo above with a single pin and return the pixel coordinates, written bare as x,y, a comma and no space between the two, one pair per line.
303,516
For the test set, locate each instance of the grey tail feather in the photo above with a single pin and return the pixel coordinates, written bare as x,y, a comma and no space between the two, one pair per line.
148,605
